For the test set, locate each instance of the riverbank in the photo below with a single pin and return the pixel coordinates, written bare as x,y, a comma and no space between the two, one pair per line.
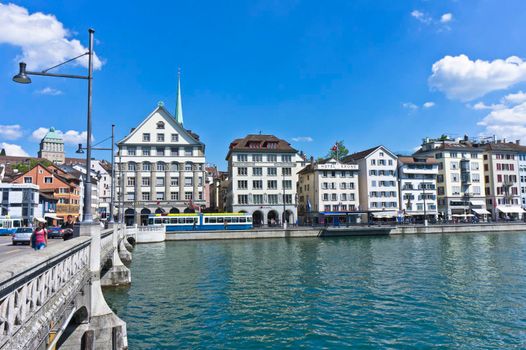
297,232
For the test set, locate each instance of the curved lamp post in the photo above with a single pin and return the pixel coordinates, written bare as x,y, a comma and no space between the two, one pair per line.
23,78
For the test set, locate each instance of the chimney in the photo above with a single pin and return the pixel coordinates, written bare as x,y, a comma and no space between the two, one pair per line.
466,138
517,142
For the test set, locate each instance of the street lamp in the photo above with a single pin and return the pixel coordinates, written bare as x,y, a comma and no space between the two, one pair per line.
23,78
81,149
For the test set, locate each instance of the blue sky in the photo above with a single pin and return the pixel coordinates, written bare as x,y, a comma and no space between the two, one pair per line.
383,72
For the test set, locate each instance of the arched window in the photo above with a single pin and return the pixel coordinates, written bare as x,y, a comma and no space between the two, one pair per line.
131,166
188,166
174,166
160,125
160,166
146,166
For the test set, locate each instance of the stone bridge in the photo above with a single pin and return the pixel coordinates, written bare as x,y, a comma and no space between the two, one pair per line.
52,299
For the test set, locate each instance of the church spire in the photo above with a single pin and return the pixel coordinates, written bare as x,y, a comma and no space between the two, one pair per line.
179,104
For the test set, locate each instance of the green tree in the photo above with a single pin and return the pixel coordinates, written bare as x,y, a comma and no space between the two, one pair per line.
338,151
2,153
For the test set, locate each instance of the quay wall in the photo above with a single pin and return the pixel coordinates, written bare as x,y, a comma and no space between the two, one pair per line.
459,228
243,234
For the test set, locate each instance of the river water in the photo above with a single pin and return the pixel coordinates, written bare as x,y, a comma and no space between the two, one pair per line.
464,291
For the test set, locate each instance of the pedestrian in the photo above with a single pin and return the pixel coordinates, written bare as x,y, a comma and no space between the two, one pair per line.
225,225
67,228
39,236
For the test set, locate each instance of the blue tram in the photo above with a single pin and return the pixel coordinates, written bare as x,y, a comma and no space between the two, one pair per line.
202,221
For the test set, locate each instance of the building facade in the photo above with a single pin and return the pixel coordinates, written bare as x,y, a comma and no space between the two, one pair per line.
52,147
19,201
417,178
521,165
460,179
328,193
378,183
160,168
263,171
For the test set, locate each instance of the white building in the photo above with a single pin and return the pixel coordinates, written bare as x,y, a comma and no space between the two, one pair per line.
263,171
378,181
52,147
521,165
417,183
19,201
328,193
162,167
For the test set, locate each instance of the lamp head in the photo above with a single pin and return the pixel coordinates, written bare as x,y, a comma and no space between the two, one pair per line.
22,76
80,150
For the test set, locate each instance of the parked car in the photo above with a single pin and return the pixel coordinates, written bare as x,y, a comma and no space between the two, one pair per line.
22,235
55,232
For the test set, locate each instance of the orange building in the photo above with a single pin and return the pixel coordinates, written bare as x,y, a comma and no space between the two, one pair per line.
65,187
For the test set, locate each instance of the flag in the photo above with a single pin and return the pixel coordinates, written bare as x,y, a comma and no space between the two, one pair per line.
309,205
334,148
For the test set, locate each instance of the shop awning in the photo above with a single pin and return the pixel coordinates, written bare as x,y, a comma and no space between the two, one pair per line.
512,209
480,211
385,214
462,215
478,202
51,216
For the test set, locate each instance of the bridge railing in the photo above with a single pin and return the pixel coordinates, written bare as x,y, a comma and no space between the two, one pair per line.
28,283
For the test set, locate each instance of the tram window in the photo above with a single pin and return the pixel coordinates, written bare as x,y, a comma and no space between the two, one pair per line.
249,219
157,221
229,219
180,220
150,221
173,220
189,220
241,219
206,220
16,223
220,220
213,220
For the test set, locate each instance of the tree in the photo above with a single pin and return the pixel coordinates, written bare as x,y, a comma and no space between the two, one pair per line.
338,151
2,153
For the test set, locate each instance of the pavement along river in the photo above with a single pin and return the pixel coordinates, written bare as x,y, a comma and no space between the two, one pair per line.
463,291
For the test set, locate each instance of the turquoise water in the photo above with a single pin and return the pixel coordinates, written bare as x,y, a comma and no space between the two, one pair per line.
414,292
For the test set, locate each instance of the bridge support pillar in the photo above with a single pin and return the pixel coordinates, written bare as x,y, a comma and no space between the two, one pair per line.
101,317
118,274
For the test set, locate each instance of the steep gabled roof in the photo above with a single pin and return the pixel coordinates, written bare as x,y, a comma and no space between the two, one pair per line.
364,154
257,143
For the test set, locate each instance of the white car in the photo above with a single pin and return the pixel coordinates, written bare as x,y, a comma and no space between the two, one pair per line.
22,235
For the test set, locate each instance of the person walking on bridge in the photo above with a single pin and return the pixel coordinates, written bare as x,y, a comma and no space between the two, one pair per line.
39,237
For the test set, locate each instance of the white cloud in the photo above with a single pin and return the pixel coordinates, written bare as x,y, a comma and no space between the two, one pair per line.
70,137
463,79
302,139
515,98
13,150
10,132
446,17
410,106
49,91
421,16
428,104
481,106
515,115
43,39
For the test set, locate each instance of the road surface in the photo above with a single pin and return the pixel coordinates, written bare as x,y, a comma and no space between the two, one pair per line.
8,250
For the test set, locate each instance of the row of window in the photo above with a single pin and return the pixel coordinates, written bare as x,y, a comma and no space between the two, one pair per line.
160,151
425,185
383,183
409,196
260,158
464,165
420,206
258,184
339,207
256,171
464,155
332,185
160,196
373,172
160,181
161,166
146,137
334,197
263,199
384,204
381,162
335,173
375,194
505,167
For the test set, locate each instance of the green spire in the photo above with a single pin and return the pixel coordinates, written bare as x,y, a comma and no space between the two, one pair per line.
179,104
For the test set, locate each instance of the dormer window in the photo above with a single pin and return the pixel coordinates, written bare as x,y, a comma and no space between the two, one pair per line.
254,145
160,125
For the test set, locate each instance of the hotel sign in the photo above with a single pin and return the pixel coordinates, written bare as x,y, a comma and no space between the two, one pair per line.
334,166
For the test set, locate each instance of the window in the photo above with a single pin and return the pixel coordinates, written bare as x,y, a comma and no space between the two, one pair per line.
325,196
159,196
257,184
258,199
272,184
131,166
160,166
242,157
132,151
288,199
453,155
48,180
343,196
242,199
159,181
454,177
287,171
286,159
200,181
272,171
28,179
287,184
188,166
272,158
131,181
242,171
188,151
146,181
146,151
160,125
174,181
188,181
188,195
174,151
160,137
174,196
146,166
146,137
160,151
373,161
257,158
174,166
334,197
130,196
175,138
273,199
242,184
146,196
257,171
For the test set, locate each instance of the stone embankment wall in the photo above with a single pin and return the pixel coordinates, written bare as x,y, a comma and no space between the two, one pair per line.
459,228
